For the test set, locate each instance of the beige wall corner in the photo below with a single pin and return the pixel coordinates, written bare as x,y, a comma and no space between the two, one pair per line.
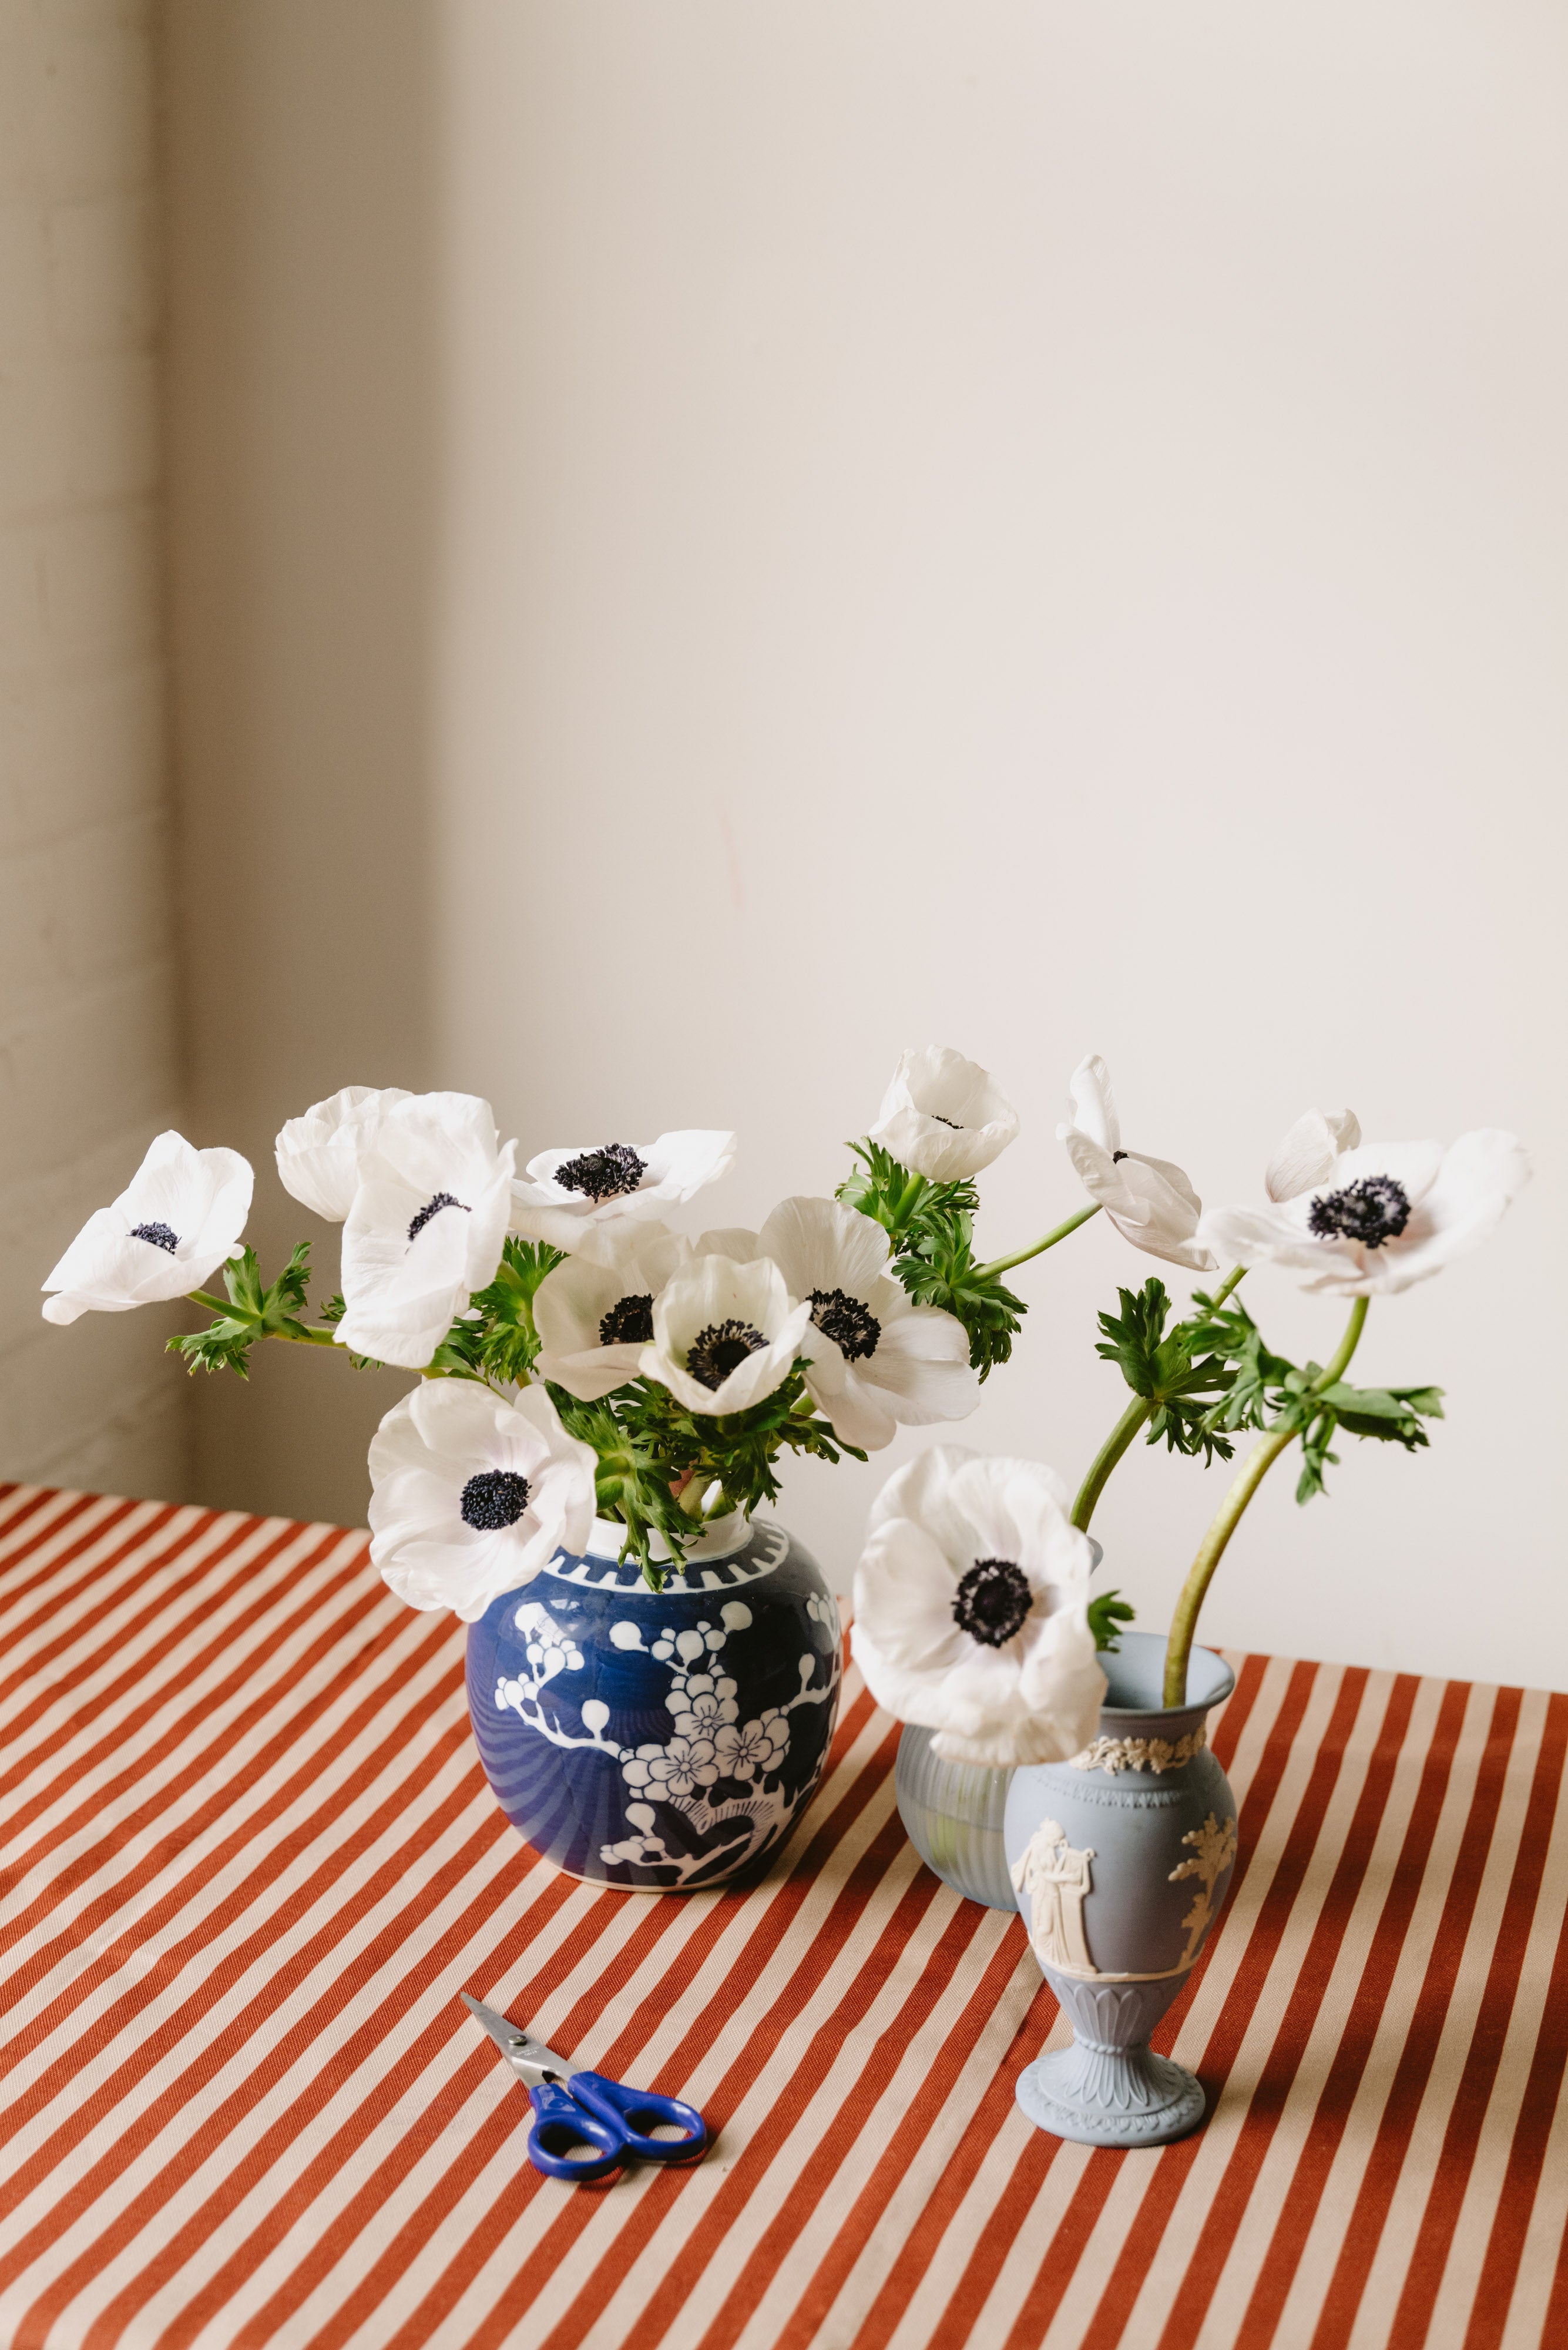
303,339
89,1064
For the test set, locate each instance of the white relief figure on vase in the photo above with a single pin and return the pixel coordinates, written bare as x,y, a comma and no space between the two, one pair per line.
1057,1881
1215,1850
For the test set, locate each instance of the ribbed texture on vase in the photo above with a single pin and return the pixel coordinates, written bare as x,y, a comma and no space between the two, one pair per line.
952,1813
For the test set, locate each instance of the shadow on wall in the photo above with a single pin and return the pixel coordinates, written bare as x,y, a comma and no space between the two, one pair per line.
301,190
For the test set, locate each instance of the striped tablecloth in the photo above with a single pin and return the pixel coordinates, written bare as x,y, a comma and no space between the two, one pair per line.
251,1862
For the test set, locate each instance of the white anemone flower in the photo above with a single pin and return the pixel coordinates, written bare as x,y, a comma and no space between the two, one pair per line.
574,1198
1150,1200
944,1117
877,1358
426,1227
179,1218
474,1495
725,1334
971,1609
1373,1218
318,1155
594,1320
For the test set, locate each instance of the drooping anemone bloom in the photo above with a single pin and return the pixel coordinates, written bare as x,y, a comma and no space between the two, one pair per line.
877,1358
1150,1200
473,1495
1368,1220
971,1609
725,1334
574,1198
179,1218
596,1319
318,1155
944,1116
426,1227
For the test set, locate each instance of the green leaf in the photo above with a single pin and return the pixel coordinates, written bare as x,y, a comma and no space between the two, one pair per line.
1109,1612
495,1339
1162,1369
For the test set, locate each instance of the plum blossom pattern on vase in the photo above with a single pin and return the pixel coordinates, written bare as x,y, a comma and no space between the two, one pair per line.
710,1748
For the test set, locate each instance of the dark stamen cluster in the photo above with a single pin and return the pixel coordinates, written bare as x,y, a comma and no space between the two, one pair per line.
941,1120
1117,1155
603,1174
719,1349
852,1327
496,1498
993,1601
434,1207
629,1322
1372,1210
160,1235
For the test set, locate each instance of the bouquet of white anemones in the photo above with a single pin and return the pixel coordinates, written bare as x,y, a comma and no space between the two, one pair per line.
583,1359
972,1612
612,1367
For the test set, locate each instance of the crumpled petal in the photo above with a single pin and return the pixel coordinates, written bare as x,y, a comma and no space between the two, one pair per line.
1308,1151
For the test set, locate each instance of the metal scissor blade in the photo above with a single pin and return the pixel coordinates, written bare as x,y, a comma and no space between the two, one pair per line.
528,2058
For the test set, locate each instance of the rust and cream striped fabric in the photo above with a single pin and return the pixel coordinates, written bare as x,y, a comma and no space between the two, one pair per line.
251,1861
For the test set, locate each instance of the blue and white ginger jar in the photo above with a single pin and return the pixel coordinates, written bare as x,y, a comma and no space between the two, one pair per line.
659,1742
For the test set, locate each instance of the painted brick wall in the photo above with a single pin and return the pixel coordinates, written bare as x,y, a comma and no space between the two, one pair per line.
89,1035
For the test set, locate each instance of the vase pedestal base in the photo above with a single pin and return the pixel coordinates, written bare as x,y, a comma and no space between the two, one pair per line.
1110,2096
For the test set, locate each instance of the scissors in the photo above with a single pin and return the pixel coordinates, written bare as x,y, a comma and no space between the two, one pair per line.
575,2106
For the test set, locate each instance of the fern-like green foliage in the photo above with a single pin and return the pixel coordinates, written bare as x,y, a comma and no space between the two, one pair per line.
1269,1392
252,1312
1175,1375
931,1227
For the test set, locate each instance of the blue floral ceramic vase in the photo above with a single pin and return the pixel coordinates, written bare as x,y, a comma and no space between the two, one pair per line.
659,1742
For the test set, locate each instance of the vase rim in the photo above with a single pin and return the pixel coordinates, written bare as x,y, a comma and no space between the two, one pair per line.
1142,1657
720,1538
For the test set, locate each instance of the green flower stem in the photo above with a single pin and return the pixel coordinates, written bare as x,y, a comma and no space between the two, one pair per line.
1211,1550
1232,1280
1105,1458
1006,1264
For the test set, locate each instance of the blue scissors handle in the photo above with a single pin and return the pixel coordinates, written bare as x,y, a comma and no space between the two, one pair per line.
637,2113
560,2122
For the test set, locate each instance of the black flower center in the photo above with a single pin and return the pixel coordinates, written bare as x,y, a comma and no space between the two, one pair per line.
719,1349
852,1327
945,1121
1117,1155
603,1174
993,1602
495,1499
432,1207
1372,1210
629,1322
160,1235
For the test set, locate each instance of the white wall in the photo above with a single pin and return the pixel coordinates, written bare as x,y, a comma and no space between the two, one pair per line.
1039,527
88,1044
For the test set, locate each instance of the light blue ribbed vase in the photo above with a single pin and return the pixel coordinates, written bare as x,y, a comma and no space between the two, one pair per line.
952,1814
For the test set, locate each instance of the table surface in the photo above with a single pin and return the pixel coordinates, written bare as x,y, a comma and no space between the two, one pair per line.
251,1861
